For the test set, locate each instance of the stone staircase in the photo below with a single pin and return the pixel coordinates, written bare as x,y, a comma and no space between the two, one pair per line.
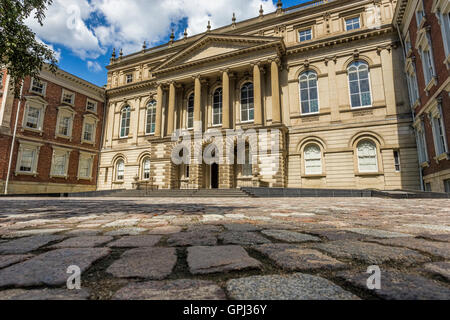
202,193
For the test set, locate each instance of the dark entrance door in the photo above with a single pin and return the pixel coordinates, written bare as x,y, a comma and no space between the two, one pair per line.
214,176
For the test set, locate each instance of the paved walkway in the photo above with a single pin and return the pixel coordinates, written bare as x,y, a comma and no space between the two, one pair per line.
308,248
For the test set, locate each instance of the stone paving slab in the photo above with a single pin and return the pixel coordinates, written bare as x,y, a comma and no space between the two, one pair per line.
136,241
6,261
171,290
44,294
334,235
290,236
290,287
165,230
297,258
371,253
440,249
28,244
184,239
50,268
439,268
205,260
242,238
400,286
35,232
241,227
436,237
379,233
83,242
147,263
126,232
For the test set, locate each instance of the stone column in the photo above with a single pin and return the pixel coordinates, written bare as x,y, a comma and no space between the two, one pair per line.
159,102
226,101
171,113
276,105
197,104
388,81
332,89
257,94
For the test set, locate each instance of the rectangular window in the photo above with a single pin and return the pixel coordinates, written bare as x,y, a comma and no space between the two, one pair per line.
439,136
420,14
64,126
422,144
129,78
397,161
88,132
33,117
68,97
91,106
85,167
305,35
59,164
26,160
38,86
352,24
447,186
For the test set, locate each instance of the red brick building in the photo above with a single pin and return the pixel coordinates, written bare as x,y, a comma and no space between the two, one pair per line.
58,135
424,26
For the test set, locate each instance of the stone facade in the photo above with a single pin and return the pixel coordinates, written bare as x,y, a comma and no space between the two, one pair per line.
330,135
425,30
58,136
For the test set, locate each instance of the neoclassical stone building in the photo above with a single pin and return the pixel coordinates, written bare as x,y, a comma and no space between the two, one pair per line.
326,75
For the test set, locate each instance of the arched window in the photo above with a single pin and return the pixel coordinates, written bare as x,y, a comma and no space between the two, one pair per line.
125,121
190,112
313,159
367,156
146,169
120,170
247,103
151,118
247,167
359,83
217,107
309,96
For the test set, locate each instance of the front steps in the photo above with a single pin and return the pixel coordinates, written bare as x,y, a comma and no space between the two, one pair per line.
201,193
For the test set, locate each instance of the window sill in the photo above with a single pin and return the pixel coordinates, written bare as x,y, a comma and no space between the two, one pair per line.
59,177
38,93
425,164
63,137
30,174
88,142
314,176
442,157
447,61
118,182
416,104
431,84
64,103
85,178
33,130
91,111
369,174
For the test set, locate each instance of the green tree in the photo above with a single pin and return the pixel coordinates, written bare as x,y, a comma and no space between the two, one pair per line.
22,54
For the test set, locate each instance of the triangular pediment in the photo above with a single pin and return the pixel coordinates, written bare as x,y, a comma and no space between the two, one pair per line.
215,46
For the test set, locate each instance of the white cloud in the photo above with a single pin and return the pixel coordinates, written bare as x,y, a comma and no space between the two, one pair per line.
90,28
56,52
94,66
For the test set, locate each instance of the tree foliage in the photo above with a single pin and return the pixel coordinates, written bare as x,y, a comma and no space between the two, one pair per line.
20,51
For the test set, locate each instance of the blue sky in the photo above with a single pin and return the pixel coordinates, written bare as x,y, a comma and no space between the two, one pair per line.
83,32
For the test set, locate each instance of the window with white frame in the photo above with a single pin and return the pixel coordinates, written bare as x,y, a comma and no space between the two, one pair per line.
442,12
89,128
397,164
247,103
38,86
437,123
120,170
33,117
426,54
421,142
85,166
305,35
91,106
411,78
217,107
27,159
190,112
68,97
146,169
125,117
408,45
352,23
60,162
313,159
359,83
309,96
65,122
367,157
150,126
420,13
129,78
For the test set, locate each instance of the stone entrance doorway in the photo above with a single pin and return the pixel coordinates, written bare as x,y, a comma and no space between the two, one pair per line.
214,176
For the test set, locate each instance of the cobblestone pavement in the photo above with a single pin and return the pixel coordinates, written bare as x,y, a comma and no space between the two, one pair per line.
305,248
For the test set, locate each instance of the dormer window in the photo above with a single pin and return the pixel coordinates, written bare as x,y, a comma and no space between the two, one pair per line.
68,97
352,23
38,86
305,35
129,78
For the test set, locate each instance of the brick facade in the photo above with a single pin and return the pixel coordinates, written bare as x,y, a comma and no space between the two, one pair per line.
42,181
